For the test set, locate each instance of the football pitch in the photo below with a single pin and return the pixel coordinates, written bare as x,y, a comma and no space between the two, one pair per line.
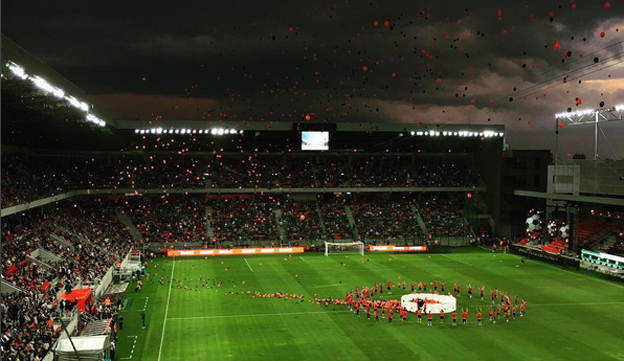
571,315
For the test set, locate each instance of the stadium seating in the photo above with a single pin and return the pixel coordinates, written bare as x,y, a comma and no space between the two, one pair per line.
178,220
301,221
556,246
590,231
244,220
26,178
443,216
335,219
95,242
386,220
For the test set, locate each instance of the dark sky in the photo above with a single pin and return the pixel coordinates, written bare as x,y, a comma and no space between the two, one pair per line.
460,61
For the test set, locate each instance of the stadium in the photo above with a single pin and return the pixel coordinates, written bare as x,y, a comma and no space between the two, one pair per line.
314,220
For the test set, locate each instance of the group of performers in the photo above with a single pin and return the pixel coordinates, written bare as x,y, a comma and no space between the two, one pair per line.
360,302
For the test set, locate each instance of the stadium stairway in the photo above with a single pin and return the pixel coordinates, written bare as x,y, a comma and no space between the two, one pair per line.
124,218
209,222
604,244
421,223
278,223
8,287
62,241
42,257
318,210
352,222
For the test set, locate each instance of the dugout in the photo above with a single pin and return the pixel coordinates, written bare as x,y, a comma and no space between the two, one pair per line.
88,348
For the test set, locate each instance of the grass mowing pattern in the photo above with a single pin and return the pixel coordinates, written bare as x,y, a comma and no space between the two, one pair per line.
571,315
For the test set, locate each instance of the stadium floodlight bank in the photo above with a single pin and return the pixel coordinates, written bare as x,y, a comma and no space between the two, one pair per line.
344,248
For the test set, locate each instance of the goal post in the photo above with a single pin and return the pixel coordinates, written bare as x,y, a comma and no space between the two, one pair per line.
344,248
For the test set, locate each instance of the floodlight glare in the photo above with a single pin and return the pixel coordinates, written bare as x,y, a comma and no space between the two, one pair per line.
18,71
42,84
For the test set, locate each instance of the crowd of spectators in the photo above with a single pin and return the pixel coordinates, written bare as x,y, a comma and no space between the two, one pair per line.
381,172
335,218
443,172
27,178
92,241
298,173
386,220
169,219
26,332
443,216
243,220
301,221
332,171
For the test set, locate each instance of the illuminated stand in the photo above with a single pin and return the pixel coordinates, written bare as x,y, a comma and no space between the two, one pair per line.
441,302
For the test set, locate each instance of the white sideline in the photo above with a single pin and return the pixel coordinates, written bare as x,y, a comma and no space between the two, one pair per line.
162,335
257,315
248,265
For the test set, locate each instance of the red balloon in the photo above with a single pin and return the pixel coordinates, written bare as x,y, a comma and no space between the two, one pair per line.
302,217
469,195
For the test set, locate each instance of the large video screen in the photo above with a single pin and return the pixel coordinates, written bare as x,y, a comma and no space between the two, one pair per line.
314,140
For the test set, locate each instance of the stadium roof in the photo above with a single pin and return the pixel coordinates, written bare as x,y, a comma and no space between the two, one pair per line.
29,83
43,109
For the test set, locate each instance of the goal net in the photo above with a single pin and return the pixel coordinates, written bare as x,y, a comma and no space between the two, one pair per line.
344,248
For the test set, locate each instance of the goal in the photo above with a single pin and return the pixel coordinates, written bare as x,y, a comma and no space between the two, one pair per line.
344,248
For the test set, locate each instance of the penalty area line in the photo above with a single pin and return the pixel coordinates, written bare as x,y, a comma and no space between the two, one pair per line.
257,315
248,265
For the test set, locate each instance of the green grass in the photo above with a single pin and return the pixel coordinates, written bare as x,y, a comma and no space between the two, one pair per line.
571,315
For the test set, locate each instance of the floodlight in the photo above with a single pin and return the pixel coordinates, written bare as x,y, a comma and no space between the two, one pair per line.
18,71
42,84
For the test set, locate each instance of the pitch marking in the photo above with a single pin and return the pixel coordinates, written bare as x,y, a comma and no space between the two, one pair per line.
453,259
131,352
248,265
162,335
257,315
